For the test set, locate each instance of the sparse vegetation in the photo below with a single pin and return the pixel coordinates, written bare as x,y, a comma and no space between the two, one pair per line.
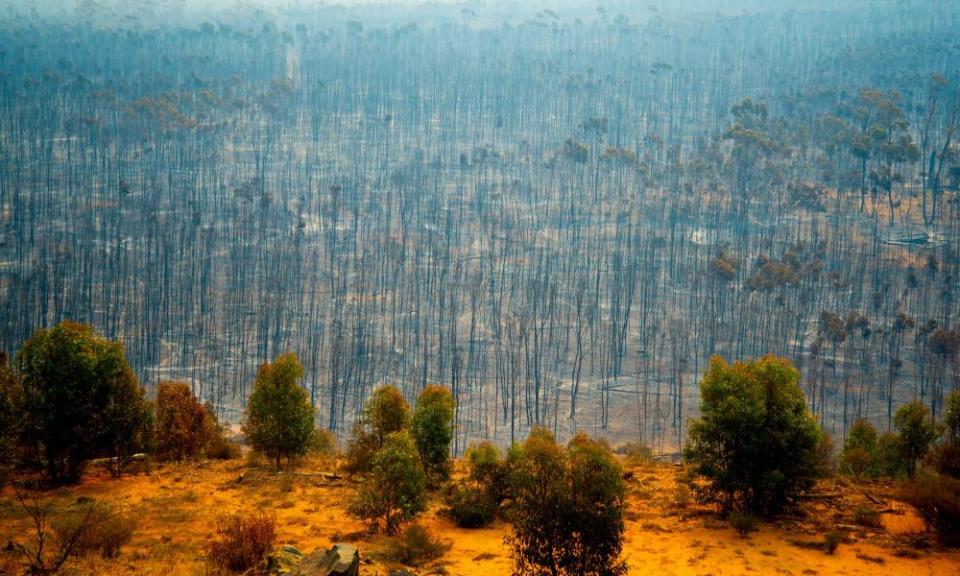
831,541
416,545
937,498
743,523
98,528
242,542
471,506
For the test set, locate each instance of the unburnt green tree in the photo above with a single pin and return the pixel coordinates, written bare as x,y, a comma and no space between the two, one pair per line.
860,448
916,432
279,420
385,412
395,490
432,427
755,442
80,400
568,508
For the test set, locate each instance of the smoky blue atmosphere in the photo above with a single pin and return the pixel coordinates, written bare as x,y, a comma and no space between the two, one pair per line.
561,211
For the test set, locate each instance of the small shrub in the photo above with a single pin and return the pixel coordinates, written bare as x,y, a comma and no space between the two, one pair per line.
889,461
946,459
825,456
682,497
385,412
415,545
243,542
860,448
105,533
432,427
937,499
951,417
471,507
182,425
360,450
323,443
743,523
636,454
490,470
831,541
866,517
396,488
88,526
219,448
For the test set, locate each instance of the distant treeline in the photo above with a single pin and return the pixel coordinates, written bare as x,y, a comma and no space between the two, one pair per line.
560,219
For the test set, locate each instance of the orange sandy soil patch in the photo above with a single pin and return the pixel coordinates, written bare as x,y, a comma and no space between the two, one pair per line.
176,506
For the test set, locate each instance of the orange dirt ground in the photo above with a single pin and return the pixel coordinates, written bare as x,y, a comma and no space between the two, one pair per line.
176,508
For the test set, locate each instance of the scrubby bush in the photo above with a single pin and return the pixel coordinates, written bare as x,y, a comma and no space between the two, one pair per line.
10,419
825,455
568,508
916,433
860,449
279,419
182,426
385,412
97,529
89,526
471,506
636,454
395,490
416,545
81,400
889,461
945,459
951,417
755,442
432,427
323,444
937,498
742,522
866,517
218,447
831,541
242,542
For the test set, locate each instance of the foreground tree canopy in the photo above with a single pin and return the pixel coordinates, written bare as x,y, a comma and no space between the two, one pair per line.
80,400
756,441
279,420
568,508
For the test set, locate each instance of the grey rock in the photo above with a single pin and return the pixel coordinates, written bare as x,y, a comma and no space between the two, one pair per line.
341,560
284,561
